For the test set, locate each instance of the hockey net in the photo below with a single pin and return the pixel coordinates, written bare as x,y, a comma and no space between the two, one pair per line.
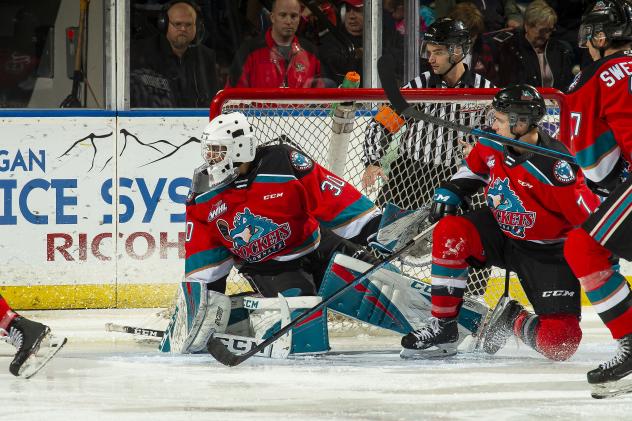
330,125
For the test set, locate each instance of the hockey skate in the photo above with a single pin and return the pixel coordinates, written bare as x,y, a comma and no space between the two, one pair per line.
500,325
610,378
438,338
31,338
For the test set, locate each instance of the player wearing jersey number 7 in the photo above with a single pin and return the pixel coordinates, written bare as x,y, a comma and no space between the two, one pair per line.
600,104
531,205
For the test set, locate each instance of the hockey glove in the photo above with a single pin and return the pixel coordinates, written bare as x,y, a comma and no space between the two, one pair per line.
446,201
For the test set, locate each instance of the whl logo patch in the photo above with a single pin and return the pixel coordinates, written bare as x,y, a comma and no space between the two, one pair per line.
254,237
508,209
218,209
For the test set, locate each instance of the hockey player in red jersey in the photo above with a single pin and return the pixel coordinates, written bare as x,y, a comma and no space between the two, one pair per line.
27,336
270,211
532,203
278,215
600,103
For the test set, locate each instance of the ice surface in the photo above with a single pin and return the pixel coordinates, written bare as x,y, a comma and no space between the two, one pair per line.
112,376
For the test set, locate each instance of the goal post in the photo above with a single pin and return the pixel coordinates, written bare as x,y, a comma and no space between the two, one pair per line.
330,125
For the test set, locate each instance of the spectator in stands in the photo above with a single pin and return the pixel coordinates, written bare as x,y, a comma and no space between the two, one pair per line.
480,58
497,14
172,69
278,59
569,14
337,60
532,56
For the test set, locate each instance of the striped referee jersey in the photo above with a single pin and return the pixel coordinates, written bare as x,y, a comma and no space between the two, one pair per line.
425,141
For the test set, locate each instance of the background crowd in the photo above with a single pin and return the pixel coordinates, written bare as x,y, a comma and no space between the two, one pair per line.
183,52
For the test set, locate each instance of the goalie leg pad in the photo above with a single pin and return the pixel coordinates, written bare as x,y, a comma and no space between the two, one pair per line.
262,317
389,299
198,314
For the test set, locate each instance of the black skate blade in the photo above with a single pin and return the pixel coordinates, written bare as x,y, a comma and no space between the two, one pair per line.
50,346
442,351
611,389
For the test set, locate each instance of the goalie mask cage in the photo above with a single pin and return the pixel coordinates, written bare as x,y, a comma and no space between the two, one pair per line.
330,125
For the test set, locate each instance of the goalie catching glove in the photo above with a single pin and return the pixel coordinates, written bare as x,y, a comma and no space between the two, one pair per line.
398,227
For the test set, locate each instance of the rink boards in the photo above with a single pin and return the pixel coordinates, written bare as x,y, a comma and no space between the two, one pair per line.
65,243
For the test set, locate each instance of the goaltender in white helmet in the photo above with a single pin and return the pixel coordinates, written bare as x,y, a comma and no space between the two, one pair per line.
227,142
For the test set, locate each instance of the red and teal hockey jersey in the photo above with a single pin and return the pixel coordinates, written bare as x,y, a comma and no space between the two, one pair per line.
600,104
532,197
272,213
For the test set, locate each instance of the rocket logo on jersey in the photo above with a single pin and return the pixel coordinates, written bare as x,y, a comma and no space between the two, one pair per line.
563,172
300,161
254,237
508,209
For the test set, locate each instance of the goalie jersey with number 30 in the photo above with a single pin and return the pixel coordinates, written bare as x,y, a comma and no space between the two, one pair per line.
272,213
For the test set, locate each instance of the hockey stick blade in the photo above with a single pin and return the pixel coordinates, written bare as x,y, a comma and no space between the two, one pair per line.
218,350
386,71
113,327
235,342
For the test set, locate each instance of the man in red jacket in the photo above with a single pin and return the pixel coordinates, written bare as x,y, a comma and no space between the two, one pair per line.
278,59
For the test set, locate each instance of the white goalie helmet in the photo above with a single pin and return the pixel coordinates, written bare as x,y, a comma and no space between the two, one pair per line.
226,142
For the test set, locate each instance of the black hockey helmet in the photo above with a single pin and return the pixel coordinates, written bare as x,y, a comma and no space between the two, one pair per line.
520,102
612,17
448,32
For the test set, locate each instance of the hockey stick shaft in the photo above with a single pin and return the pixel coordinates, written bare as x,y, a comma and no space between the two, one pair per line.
386,70
218,350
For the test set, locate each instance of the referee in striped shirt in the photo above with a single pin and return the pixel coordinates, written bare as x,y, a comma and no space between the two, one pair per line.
427,154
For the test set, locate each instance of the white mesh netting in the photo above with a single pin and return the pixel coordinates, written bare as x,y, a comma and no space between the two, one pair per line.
435,153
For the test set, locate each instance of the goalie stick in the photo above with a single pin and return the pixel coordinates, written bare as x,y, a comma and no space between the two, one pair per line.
386,70
222,354
235,342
